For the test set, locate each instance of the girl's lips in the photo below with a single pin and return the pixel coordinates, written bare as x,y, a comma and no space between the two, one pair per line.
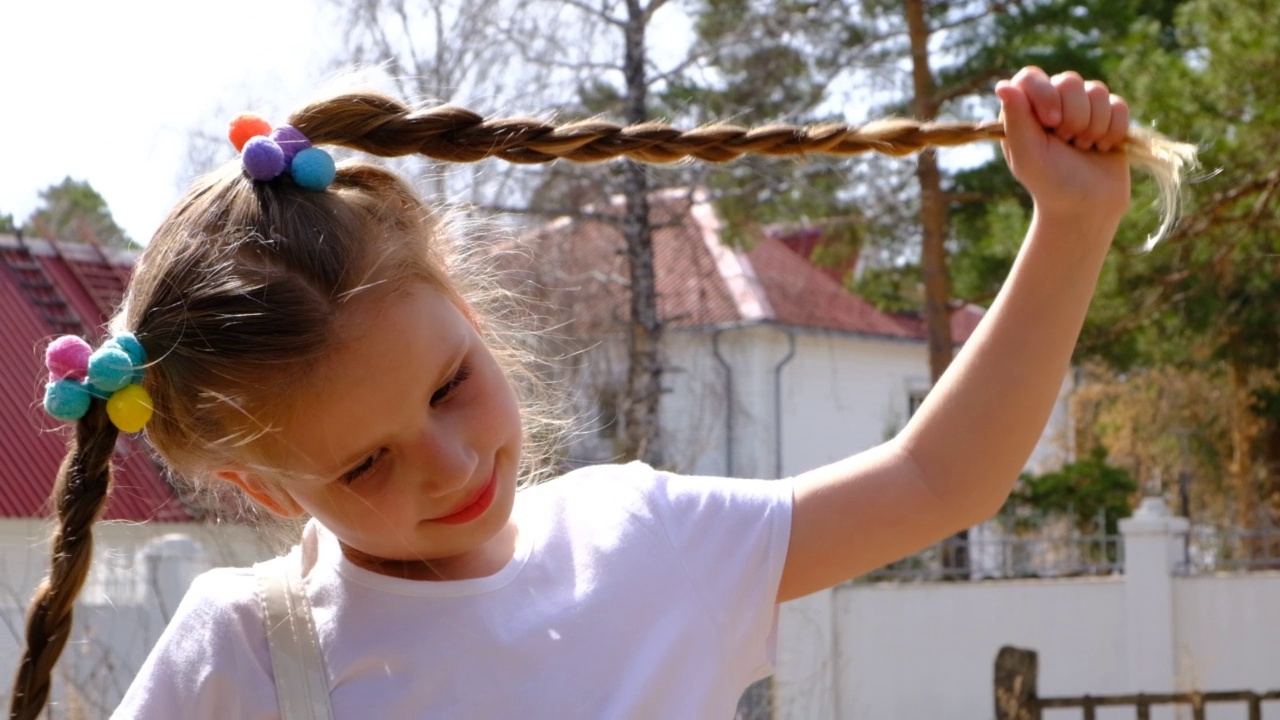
476,507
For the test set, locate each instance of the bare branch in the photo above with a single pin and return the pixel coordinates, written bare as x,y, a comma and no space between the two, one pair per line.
596,13
654,5
968,87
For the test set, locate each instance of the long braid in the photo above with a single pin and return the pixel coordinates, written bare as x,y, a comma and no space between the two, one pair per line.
384,126
78,499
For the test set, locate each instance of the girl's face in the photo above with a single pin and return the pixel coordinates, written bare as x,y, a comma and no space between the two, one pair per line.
408,445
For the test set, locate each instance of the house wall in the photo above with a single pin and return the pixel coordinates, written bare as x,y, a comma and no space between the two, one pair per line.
839,394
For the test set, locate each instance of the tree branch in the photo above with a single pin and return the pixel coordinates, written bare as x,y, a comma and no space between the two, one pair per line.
599,13
967,87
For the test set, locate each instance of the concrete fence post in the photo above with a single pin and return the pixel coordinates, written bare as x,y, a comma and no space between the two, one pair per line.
1153,545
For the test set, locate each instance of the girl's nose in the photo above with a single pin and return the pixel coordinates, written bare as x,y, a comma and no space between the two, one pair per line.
451,462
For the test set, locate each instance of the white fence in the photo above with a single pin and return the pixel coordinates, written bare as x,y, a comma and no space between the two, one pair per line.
139,574
927,649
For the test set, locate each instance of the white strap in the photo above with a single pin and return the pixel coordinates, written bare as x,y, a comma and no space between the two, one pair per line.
301,686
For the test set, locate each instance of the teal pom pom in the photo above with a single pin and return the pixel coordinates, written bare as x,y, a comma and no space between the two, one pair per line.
313,169
110,368
66,400
127,342
130,345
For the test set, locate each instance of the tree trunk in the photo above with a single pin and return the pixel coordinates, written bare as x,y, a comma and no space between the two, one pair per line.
644,368
933,249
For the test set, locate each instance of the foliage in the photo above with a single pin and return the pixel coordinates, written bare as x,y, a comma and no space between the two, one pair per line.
73,211
1082,491
6,223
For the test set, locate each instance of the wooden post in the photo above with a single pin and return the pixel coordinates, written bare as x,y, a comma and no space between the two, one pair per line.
1015,686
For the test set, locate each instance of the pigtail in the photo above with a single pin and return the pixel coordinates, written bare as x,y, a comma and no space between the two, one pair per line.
79,495
384,126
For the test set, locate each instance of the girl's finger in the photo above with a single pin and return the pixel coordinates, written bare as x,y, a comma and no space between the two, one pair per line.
1099,115
1041,94
1118,129
1075,105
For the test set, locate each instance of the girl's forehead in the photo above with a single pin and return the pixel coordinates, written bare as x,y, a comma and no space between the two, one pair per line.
388,358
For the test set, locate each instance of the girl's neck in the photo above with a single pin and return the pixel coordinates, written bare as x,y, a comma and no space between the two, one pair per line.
483,561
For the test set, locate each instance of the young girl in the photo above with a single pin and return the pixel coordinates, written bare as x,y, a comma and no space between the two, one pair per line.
309,343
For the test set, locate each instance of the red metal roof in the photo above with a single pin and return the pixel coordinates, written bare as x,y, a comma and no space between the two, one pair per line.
32,445
702,282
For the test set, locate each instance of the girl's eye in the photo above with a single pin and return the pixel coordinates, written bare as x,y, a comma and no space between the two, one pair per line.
364,467
464,372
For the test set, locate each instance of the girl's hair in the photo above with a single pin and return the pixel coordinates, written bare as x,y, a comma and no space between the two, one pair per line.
237,293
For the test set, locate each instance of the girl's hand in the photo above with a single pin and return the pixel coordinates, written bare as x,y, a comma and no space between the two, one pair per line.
1064,140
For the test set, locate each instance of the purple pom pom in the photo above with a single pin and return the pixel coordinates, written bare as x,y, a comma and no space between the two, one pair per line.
313,169
291,141
263,158
67,357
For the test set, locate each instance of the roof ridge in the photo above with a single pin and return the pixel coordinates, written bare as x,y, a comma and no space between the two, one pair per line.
733,266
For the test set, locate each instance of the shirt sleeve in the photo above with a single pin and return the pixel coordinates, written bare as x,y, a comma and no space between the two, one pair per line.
212,659
731,536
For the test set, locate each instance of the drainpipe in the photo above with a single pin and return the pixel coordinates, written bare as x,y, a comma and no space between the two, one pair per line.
777,401
728,397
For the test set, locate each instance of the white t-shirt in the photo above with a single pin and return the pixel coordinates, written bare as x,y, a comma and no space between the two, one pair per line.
632,594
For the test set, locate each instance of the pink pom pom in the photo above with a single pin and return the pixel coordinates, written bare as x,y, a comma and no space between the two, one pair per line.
68,357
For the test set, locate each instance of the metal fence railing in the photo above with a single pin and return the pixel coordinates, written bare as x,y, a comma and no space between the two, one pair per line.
1211,549
990,553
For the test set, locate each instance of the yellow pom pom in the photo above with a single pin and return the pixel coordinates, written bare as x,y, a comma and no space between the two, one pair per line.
129,408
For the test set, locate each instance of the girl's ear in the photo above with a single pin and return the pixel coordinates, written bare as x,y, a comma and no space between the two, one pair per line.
269,496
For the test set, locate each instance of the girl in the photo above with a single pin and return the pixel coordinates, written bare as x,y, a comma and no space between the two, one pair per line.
313,345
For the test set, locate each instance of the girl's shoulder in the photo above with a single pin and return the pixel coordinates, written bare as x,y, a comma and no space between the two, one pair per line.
212,658
637,489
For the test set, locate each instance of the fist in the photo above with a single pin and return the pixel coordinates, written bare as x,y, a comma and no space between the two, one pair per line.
1064,141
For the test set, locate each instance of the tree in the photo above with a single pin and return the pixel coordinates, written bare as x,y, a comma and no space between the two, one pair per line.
1204,301
72,211
6,223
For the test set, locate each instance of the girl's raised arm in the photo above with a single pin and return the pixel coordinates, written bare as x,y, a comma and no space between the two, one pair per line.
956,461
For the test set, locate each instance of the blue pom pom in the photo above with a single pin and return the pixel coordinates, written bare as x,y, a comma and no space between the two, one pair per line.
110,368
66,400
130,345
263,159
313,169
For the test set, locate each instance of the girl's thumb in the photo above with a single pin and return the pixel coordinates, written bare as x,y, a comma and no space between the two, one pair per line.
1022,132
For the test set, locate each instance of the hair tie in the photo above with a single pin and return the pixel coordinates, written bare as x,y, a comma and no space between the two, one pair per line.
113,372
267,154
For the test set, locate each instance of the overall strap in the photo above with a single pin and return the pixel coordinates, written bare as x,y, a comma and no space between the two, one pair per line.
301,686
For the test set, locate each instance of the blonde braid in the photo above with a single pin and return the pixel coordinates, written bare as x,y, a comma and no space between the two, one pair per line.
78,499
384,126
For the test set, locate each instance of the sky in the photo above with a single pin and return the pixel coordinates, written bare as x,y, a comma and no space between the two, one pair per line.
111,92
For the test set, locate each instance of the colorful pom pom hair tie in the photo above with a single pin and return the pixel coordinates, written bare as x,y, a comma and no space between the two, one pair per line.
267,154
113,372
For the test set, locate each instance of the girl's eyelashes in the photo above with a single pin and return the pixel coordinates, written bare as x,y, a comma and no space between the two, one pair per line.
464,372
364,467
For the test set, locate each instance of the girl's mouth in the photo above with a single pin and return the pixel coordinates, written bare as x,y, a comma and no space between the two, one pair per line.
476,507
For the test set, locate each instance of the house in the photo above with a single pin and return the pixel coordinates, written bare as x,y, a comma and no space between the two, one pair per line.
771,366
148,546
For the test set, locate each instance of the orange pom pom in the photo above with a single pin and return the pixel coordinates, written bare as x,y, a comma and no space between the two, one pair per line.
245,126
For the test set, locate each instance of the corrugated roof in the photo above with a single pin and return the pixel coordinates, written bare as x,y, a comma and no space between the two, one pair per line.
32,445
